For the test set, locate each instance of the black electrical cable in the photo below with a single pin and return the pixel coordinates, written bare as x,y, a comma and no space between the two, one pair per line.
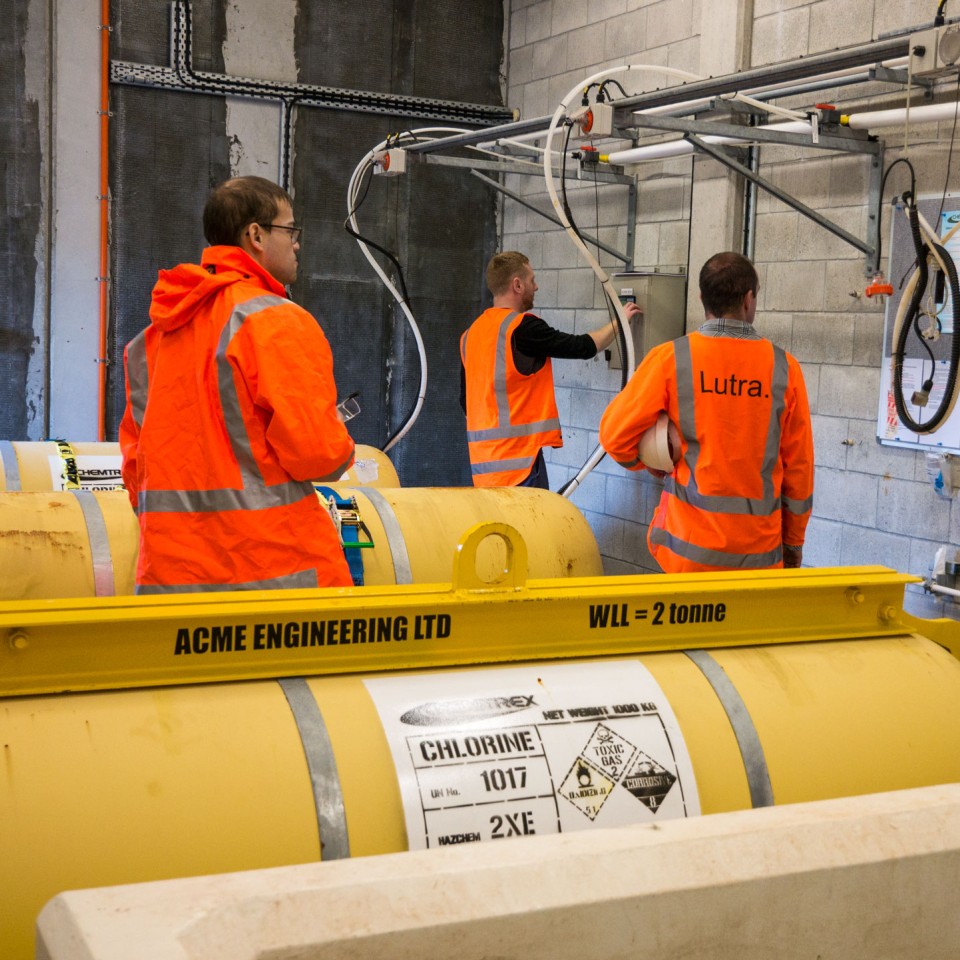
910,322
938,19
601,92
370,243
402,283
612,310
883,183
563,182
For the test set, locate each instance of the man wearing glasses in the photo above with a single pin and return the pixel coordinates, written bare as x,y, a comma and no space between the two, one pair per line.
231,413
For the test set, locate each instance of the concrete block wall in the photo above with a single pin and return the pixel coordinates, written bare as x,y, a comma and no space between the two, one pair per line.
873,504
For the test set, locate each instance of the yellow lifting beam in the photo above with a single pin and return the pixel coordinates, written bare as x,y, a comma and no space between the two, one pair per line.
52,646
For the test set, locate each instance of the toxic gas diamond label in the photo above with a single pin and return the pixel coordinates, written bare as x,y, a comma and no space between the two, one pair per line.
495,754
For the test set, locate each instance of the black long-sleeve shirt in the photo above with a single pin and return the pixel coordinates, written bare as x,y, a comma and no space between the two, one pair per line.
533,341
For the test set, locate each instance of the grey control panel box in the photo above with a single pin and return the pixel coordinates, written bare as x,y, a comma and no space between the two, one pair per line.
663,297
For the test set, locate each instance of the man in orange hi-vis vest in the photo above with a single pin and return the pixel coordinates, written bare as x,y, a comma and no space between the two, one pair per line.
231,413
741,489
506,387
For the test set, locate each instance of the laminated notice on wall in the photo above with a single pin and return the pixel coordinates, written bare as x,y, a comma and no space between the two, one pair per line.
492,754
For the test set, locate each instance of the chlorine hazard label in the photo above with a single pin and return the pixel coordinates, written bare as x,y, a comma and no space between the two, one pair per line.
492,754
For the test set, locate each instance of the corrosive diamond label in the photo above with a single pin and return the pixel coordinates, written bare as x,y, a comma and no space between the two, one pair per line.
648,781
609,751
586,787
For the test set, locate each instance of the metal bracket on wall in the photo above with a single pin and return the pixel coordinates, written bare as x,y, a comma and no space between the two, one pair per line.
181,76
719,154
627,257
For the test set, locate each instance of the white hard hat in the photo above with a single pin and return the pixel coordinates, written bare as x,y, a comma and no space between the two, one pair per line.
660,445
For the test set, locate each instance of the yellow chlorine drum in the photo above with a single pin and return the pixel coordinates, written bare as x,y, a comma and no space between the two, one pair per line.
65,465
121,786
84,543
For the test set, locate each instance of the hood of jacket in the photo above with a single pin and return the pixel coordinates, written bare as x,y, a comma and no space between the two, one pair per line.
183,292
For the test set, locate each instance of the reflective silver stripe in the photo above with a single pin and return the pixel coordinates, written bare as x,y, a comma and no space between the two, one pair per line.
628,463
500,372
515,430
103,582
689,492
715,558
229,399
253,494
302,579
798,506
754,761
11,467
498,466
391,526
137,377
322,765
338,472
215,501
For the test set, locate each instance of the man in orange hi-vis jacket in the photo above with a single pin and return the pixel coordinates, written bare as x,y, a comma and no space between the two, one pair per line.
506,385
231,413
741,490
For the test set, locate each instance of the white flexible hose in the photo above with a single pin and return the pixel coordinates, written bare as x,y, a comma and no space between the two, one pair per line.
353,189
907,296
600,273
948,591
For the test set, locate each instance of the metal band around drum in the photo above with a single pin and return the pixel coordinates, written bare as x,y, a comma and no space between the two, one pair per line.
391,526
327,794
103,582
754,761
11,469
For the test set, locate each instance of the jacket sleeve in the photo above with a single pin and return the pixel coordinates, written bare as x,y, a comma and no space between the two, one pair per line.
796,455
635,409
286,362
129,437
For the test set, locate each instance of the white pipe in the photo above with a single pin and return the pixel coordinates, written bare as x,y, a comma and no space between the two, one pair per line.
892,118
676,148
870,120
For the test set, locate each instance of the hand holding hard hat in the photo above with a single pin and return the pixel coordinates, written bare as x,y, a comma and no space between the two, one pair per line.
660,446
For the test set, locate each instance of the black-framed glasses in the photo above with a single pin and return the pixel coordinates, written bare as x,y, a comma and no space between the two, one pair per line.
294,231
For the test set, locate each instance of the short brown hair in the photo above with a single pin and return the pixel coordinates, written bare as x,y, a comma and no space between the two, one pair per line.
238,202
725,279
503,268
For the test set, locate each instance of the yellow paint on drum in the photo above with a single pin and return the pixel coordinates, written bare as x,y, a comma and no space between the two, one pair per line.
132,785
51,547
47,549
559,540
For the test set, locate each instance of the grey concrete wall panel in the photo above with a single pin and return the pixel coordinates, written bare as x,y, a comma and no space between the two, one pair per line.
20,152
439,223
169,147
167,150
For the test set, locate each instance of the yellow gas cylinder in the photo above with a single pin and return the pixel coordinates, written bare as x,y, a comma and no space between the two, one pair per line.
66,465
84,543
414,530
347,723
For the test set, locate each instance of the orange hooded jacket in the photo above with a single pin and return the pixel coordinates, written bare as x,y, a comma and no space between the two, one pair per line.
231,413
744,483
510,415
